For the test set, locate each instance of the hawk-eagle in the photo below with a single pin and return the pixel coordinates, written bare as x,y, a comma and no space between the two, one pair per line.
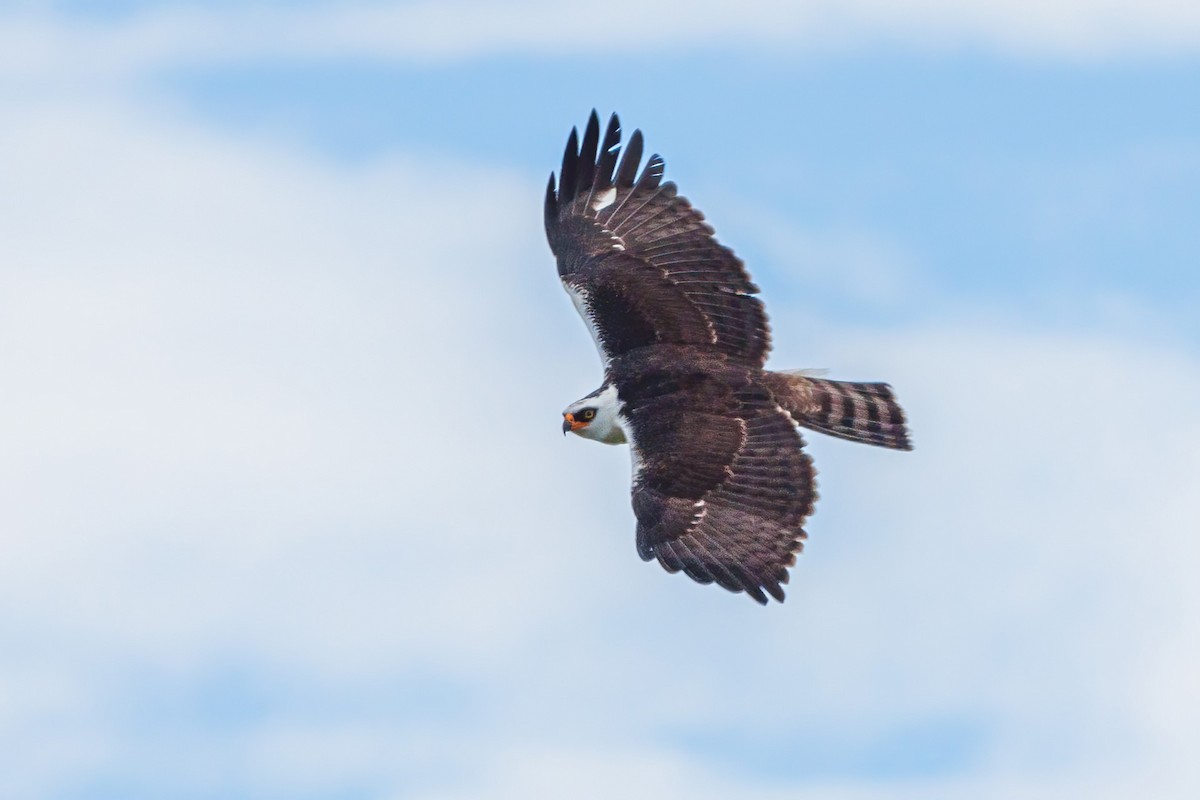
721,485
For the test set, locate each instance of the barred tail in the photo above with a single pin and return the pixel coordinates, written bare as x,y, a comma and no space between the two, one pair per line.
860,412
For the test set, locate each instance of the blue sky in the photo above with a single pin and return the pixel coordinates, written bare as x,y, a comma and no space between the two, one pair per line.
1039,177
283,500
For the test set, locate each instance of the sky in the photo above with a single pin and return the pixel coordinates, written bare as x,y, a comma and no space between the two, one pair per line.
285,509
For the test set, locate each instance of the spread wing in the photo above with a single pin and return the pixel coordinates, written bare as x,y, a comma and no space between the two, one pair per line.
639,261
722,496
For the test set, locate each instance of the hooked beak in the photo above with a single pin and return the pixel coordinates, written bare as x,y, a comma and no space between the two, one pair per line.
571,424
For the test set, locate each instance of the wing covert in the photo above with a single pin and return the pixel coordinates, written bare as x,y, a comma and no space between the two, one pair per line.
721,510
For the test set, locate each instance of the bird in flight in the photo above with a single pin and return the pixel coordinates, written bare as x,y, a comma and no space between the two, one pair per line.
721,484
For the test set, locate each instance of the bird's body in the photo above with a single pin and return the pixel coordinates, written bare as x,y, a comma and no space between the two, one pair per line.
721,486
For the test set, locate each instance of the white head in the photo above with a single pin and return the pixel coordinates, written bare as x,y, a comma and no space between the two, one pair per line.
596,417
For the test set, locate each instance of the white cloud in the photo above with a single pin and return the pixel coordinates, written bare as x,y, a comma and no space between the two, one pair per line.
195,337
40,43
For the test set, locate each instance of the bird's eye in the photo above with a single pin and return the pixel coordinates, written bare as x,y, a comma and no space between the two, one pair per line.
588,414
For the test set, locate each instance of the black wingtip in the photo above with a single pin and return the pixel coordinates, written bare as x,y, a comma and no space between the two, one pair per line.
570,163
593,163
589,161
587,154
755,593
610,149
627,171
655,169
551,207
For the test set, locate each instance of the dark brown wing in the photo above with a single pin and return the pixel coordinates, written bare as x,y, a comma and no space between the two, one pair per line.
621,238
723,497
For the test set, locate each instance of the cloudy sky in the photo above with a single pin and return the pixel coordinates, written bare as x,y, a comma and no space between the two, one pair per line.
285,509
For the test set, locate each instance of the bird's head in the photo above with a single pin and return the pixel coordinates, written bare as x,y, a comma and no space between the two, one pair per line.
575,421
595,417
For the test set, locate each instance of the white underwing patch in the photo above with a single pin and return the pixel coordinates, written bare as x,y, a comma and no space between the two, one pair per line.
604,199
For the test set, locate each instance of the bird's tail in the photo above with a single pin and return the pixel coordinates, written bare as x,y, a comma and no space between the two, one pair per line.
860,412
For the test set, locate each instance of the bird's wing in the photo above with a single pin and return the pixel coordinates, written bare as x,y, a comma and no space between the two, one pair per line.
639,261
722,496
